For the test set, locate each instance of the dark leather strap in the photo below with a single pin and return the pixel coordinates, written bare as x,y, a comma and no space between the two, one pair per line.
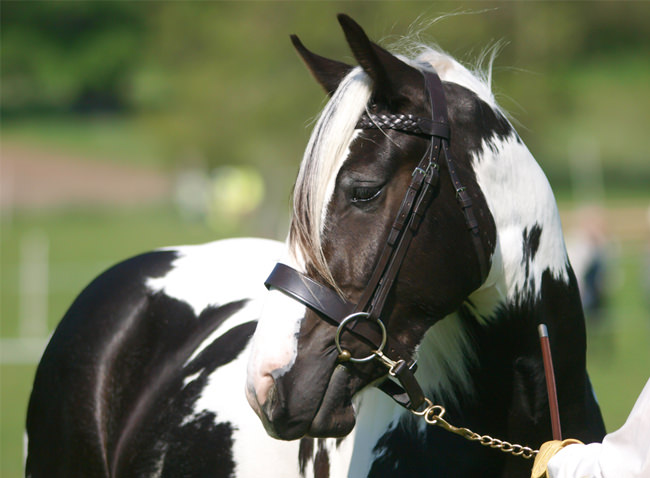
331,307
409,394
321,299
434,86
466,205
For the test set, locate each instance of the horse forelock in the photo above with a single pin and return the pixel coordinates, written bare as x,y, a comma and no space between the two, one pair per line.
326,151
328,148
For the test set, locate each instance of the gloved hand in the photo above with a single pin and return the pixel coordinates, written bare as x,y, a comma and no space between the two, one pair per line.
546,452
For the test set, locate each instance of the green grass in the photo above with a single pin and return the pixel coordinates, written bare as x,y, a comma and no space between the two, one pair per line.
618,351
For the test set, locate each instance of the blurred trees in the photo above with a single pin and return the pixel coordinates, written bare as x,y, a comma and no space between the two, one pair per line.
219,84
68,56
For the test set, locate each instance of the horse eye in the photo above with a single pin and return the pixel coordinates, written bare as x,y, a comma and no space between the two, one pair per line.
365,194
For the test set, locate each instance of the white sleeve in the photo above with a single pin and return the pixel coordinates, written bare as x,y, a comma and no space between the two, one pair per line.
624,453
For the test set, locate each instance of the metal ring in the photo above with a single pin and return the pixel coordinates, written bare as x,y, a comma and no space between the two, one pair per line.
364,315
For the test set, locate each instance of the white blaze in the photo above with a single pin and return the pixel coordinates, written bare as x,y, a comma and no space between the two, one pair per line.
275,343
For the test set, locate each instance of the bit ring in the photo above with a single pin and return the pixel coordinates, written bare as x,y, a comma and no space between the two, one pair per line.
346,353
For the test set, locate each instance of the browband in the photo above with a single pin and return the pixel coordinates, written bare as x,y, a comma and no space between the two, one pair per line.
404,123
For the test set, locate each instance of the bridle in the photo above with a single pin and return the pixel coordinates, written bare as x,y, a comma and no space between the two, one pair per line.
363,320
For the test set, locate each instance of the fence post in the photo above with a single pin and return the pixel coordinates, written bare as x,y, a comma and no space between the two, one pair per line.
33,285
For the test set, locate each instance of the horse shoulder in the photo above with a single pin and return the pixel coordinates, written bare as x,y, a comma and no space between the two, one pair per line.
145,378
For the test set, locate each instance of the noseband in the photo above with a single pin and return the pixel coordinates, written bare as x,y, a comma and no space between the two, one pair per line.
363,320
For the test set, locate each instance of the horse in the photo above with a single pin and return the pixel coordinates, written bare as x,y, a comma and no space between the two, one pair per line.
425,249
144,375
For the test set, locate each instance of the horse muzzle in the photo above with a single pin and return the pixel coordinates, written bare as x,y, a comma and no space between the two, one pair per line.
296,404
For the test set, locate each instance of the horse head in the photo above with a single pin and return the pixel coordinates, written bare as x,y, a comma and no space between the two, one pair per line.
350,193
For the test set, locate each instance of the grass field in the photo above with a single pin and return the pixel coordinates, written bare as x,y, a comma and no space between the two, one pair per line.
82,244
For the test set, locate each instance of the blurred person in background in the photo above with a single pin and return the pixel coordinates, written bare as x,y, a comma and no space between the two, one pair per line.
588,246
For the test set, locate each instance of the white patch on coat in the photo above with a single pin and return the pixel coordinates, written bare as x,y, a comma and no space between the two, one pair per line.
340,455
219,272
191,378
255,453
443,358
25,448
520,197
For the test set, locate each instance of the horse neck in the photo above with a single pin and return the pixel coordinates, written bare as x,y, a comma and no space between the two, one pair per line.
530,280
529,232
377,415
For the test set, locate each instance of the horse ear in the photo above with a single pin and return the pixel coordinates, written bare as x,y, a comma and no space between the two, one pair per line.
328,73
393,79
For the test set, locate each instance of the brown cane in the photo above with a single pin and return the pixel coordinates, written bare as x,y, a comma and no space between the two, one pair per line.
550,381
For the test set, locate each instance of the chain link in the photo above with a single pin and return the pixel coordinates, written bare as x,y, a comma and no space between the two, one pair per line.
433,414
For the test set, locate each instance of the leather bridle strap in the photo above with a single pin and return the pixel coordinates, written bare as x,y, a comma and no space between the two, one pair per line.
416,201
462,196
329,305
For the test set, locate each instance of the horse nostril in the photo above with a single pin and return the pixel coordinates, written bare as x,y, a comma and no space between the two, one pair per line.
267,406
258,391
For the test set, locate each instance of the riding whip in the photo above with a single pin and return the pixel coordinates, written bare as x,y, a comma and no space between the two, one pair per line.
550,381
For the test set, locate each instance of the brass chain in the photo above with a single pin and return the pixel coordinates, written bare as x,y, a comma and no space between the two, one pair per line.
433,414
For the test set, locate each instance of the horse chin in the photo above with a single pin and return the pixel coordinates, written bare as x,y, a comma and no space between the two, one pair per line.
335,417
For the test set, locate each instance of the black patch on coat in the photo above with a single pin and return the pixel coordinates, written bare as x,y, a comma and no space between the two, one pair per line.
166,423
531,243
305,453
321,461
479,123
201,448
64,435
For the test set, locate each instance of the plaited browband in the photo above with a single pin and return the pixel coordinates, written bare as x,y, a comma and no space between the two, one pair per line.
361,319
404,123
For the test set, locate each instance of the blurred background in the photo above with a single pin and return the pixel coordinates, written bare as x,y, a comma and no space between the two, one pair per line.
128,126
